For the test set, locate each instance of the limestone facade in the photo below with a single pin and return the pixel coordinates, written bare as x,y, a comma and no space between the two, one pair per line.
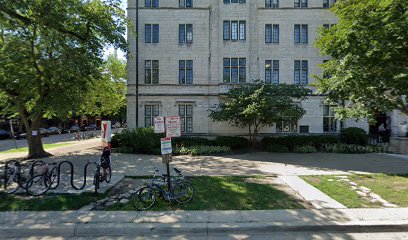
208,51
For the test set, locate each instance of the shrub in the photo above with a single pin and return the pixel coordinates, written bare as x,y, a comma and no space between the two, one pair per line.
290,142
305,149
276,148
351,148
201,150
232,142
123,150
354,135
191,141
141,140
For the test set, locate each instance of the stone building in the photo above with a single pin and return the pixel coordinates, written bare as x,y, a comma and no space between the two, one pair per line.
187,53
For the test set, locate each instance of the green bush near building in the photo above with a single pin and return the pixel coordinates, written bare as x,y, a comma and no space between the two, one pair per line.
232,142
354,135
292,142
352,148
201,150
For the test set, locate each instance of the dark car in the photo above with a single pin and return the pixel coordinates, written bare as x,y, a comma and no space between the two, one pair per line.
91,127
4,134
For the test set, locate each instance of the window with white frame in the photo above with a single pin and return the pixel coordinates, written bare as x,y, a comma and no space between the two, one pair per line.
234,30
186,71
151,71
301,72
186,3
301,34
151,33
271,3
328,3
186,117
234,70
234,1
300,3
271,33
185,33
272,71
329,120
151,111
286,125
152,3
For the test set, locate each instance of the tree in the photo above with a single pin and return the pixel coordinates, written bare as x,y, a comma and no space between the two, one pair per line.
258,104
51,53
107,96
369,50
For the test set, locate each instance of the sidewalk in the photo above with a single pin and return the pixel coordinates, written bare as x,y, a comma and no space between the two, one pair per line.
58,151
200,223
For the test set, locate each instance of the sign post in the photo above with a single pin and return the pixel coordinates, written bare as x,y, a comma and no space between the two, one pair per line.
106,133
12,133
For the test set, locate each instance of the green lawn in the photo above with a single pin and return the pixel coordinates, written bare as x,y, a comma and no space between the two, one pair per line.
46,146
49,202
226,193
393,188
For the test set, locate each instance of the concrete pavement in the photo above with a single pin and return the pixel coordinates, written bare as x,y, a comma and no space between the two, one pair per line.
200,223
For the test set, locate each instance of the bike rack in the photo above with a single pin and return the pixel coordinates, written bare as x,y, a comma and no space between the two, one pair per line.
58,168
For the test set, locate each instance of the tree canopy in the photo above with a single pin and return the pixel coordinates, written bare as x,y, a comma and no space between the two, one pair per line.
258,104
369,50
51,52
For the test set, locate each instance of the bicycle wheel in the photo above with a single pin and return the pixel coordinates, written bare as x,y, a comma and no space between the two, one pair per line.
144,198
183,192
108,175
11,179
38,184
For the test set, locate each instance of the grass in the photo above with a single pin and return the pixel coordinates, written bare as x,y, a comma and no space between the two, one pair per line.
226,193
339,191
393,188
46,146
49,202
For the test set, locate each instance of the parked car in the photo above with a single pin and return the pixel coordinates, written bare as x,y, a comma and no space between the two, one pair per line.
74,128
54,130
91,127
44,132
4,134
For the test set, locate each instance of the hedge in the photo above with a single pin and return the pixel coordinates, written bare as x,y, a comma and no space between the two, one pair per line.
292,142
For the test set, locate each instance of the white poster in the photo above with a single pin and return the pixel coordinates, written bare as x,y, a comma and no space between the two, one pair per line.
106,131
173,126
159,124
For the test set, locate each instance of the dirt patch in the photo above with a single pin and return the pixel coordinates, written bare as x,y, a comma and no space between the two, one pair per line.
282,186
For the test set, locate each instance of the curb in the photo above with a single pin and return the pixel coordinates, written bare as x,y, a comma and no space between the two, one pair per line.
201,229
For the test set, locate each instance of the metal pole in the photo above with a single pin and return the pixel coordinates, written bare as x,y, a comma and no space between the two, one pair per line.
168,171
12,133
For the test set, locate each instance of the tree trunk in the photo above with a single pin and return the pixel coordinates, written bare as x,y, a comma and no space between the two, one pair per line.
35,146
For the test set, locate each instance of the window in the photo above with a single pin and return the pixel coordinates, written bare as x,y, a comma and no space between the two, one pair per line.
149,36
329,121
301,34
328,3
286,125
185,71
234,1
300,3
152,3
271,3
151,71
186,3
271,33
185,33
151,111
328,26
272,71
301,72
186,117
234,70
234,30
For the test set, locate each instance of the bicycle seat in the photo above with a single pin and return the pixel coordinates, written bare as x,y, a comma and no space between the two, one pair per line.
177,171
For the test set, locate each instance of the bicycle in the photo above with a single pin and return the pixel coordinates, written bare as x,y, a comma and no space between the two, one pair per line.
103,169
181,191
14,176
40,183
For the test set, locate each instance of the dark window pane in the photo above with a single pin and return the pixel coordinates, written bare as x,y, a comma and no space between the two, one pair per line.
234,75
155,76
242,62
226,1
234,62
276,76
268,33
242,74
189,76
275,64
304,34
227,73
275,33
189,124
148,121
297,33
189,64
182,109
148,76
182,33
182,77
148,33
155,63
268,75
242,30
155,33
148,110
148,3
268,64
155,3
226,62
189,110
155,111
304,3
182,64
189,3
226,30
